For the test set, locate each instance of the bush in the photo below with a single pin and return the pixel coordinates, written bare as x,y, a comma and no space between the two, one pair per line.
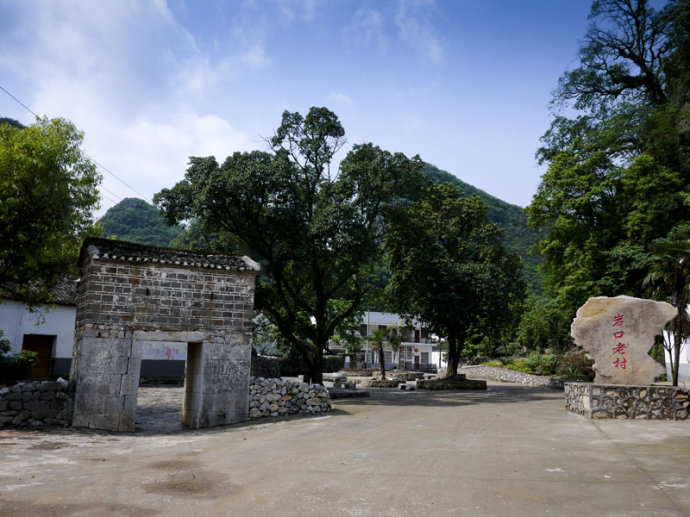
16,367
570,366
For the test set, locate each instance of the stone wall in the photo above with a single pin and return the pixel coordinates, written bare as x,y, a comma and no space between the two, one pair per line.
621,402
506,375
279,397
35,404
130,294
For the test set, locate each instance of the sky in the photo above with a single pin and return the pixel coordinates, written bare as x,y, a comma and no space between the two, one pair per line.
464,84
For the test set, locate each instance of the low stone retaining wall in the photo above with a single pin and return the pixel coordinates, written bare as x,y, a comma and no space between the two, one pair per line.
621,402
278,397
495,373
36,404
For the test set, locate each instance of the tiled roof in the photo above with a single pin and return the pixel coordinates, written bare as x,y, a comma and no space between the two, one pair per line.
63,293
106,249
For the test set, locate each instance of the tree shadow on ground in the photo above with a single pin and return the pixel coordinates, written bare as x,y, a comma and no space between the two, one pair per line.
494,394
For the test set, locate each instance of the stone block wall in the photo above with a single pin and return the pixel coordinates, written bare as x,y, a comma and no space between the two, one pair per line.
130,294
622,402
279,397
35,404
506,375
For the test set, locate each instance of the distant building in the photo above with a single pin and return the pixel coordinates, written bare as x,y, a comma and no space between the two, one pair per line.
419,349
47,329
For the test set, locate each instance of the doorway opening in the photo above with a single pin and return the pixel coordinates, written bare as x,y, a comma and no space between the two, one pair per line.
44,346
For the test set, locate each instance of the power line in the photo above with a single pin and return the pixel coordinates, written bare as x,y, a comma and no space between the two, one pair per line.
19,102
142,196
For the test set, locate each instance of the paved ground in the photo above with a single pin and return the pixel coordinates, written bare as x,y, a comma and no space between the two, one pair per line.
512,450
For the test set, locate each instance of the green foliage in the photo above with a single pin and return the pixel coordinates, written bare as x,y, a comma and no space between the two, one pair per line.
518,237
571,366
47,194
16,367
544,325
669,280
134,220
619,171
449,268
316,236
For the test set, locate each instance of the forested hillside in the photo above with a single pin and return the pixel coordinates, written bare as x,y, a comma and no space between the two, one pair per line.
135,220
518,237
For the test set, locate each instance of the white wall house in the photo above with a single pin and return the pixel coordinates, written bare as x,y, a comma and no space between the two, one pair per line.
418,351
48,329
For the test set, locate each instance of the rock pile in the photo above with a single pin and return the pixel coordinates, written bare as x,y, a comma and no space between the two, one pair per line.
278,397
35,404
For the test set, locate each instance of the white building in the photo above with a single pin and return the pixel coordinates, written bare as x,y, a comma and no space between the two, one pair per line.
419,349
48,329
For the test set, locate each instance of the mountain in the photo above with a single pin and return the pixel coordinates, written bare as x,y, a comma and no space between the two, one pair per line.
517,237
134,220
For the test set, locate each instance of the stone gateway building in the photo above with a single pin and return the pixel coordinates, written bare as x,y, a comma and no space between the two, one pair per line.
131,294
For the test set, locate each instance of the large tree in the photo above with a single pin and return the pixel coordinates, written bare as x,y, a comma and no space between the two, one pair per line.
449,269
617,170
315,232
47,195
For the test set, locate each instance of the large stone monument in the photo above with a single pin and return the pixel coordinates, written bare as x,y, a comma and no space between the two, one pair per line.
618,334
130,294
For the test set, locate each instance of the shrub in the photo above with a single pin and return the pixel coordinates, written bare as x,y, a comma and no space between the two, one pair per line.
14,367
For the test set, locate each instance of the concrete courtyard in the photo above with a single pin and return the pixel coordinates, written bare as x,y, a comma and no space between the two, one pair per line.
512,450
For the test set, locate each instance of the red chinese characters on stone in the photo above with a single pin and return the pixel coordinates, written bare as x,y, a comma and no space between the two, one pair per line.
620,363
619,348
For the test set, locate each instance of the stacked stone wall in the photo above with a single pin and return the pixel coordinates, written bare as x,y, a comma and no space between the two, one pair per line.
622,402
506,375
35,404
279,397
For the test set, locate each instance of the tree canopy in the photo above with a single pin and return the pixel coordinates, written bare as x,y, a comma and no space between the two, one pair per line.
47,195
618,172
315,232
449,268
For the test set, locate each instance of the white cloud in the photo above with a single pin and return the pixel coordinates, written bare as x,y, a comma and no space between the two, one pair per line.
367,29
340,98
131,77
415,29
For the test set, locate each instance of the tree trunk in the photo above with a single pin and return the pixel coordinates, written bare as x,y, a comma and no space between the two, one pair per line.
453,357
354,361
675,353
313,368
382,364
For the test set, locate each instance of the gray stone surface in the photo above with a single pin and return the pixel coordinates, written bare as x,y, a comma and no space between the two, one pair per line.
618,334
132,293
622,402
508,451
506,375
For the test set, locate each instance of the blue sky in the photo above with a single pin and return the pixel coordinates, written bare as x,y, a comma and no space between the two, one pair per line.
465,84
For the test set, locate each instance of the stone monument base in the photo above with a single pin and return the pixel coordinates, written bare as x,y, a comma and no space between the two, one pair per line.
622,402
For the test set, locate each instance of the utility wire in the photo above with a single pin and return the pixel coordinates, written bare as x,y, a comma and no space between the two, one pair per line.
85,153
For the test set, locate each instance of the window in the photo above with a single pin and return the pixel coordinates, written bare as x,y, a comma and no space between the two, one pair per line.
425,357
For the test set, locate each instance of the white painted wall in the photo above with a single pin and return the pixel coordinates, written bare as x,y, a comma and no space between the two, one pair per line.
16,320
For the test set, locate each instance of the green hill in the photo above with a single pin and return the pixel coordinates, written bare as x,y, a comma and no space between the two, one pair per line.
134,220
518,237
